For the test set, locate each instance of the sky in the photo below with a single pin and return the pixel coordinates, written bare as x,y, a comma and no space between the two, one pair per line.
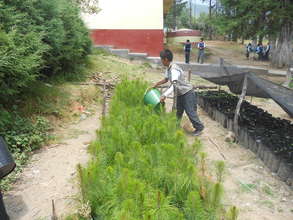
200,2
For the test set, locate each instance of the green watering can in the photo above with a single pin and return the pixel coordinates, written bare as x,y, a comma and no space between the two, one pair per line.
152,97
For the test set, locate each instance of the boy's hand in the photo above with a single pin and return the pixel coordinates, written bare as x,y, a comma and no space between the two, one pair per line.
162,99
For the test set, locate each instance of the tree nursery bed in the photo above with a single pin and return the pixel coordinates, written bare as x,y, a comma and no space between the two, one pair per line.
270,138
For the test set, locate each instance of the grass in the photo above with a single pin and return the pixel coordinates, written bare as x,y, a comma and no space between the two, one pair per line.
267,203
267,190
291,84
247,187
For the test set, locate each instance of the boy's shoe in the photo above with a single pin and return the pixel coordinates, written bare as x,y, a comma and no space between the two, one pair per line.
197,132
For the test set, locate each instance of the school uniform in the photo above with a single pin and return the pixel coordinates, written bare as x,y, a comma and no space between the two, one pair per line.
186,96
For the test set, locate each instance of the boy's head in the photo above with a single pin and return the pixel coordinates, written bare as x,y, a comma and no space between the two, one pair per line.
188,41
166,57
201,39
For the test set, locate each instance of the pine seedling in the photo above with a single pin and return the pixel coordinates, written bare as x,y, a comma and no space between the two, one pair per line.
220,169
232,213
202,163
196,146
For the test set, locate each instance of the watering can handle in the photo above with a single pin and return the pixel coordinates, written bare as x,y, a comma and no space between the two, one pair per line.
149,88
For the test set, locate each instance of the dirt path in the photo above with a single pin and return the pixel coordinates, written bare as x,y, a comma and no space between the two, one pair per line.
248,184
51,175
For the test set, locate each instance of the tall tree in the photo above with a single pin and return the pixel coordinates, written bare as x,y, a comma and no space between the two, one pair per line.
212,5
88,6
171,20
250,19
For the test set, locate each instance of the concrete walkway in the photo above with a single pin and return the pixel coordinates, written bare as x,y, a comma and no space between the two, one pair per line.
208,67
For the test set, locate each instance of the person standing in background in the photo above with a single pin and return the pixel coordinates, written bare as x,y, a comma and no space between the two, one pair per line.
187,50
248,50
201,47
259,51
267,52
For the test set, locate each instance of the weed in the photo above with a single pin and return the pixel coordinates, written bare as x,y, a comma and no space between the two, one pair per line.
100,52
22,136
146,65
45,99
232,213
267,203
291,84
267,189
247,187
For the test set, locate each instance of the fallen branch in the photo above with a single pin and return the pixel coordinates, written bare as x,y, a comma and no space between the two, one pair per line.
218,148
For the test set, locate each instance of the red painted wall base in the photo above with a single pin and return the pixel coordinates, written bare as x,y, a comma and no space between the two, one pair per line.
140,41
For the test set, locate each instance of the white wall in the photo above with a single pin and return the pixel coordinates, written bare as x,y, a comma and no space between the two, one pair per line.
127,14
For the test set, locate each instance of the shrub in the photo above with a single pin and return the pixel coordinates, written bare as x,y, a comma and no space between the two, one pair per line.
22,136
39,37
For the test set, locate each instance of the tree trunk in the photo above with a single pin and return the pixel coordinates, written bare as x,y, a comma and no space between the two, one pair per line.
210,17
254,42
260,39
234,36
174,15
210,9
282,53
190,13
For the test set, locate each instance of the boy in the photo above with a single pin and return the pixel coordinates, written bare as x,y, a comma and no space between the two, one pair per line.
186,97
201,46
187,50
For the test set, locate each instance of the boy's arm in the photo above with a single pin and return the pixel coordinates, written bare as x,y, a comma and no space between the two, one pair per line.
174,77
163,81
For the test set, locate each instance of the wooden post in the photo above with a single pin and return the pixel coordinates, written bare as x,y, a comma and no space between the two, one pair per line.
221,64
54,215
237,111
289,75
189,75
221,68
104,98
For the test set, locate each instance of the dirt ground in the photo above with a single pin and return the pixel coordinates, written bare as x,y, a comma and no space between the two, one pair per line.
51,174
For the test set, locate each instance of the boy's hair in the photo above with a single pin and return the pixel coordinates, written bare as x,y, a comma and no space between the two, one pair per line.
201,38
166,54
188,40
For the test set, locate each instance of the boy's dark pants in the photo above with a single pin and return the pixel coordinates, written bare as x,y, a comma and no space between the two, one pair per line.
3,214
187,56
188,103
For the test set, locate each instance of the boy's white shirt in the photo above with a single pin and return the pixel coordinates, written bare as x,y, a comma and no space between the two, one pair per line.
204,44
174,77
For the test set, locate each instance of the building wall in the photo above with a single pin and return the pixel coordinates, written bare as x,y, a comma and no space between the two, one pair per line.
131,24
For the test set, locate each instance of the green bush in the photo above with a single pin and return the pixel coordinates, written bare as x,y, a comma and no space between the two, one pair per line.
143,168
39,37
22,136
20,61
